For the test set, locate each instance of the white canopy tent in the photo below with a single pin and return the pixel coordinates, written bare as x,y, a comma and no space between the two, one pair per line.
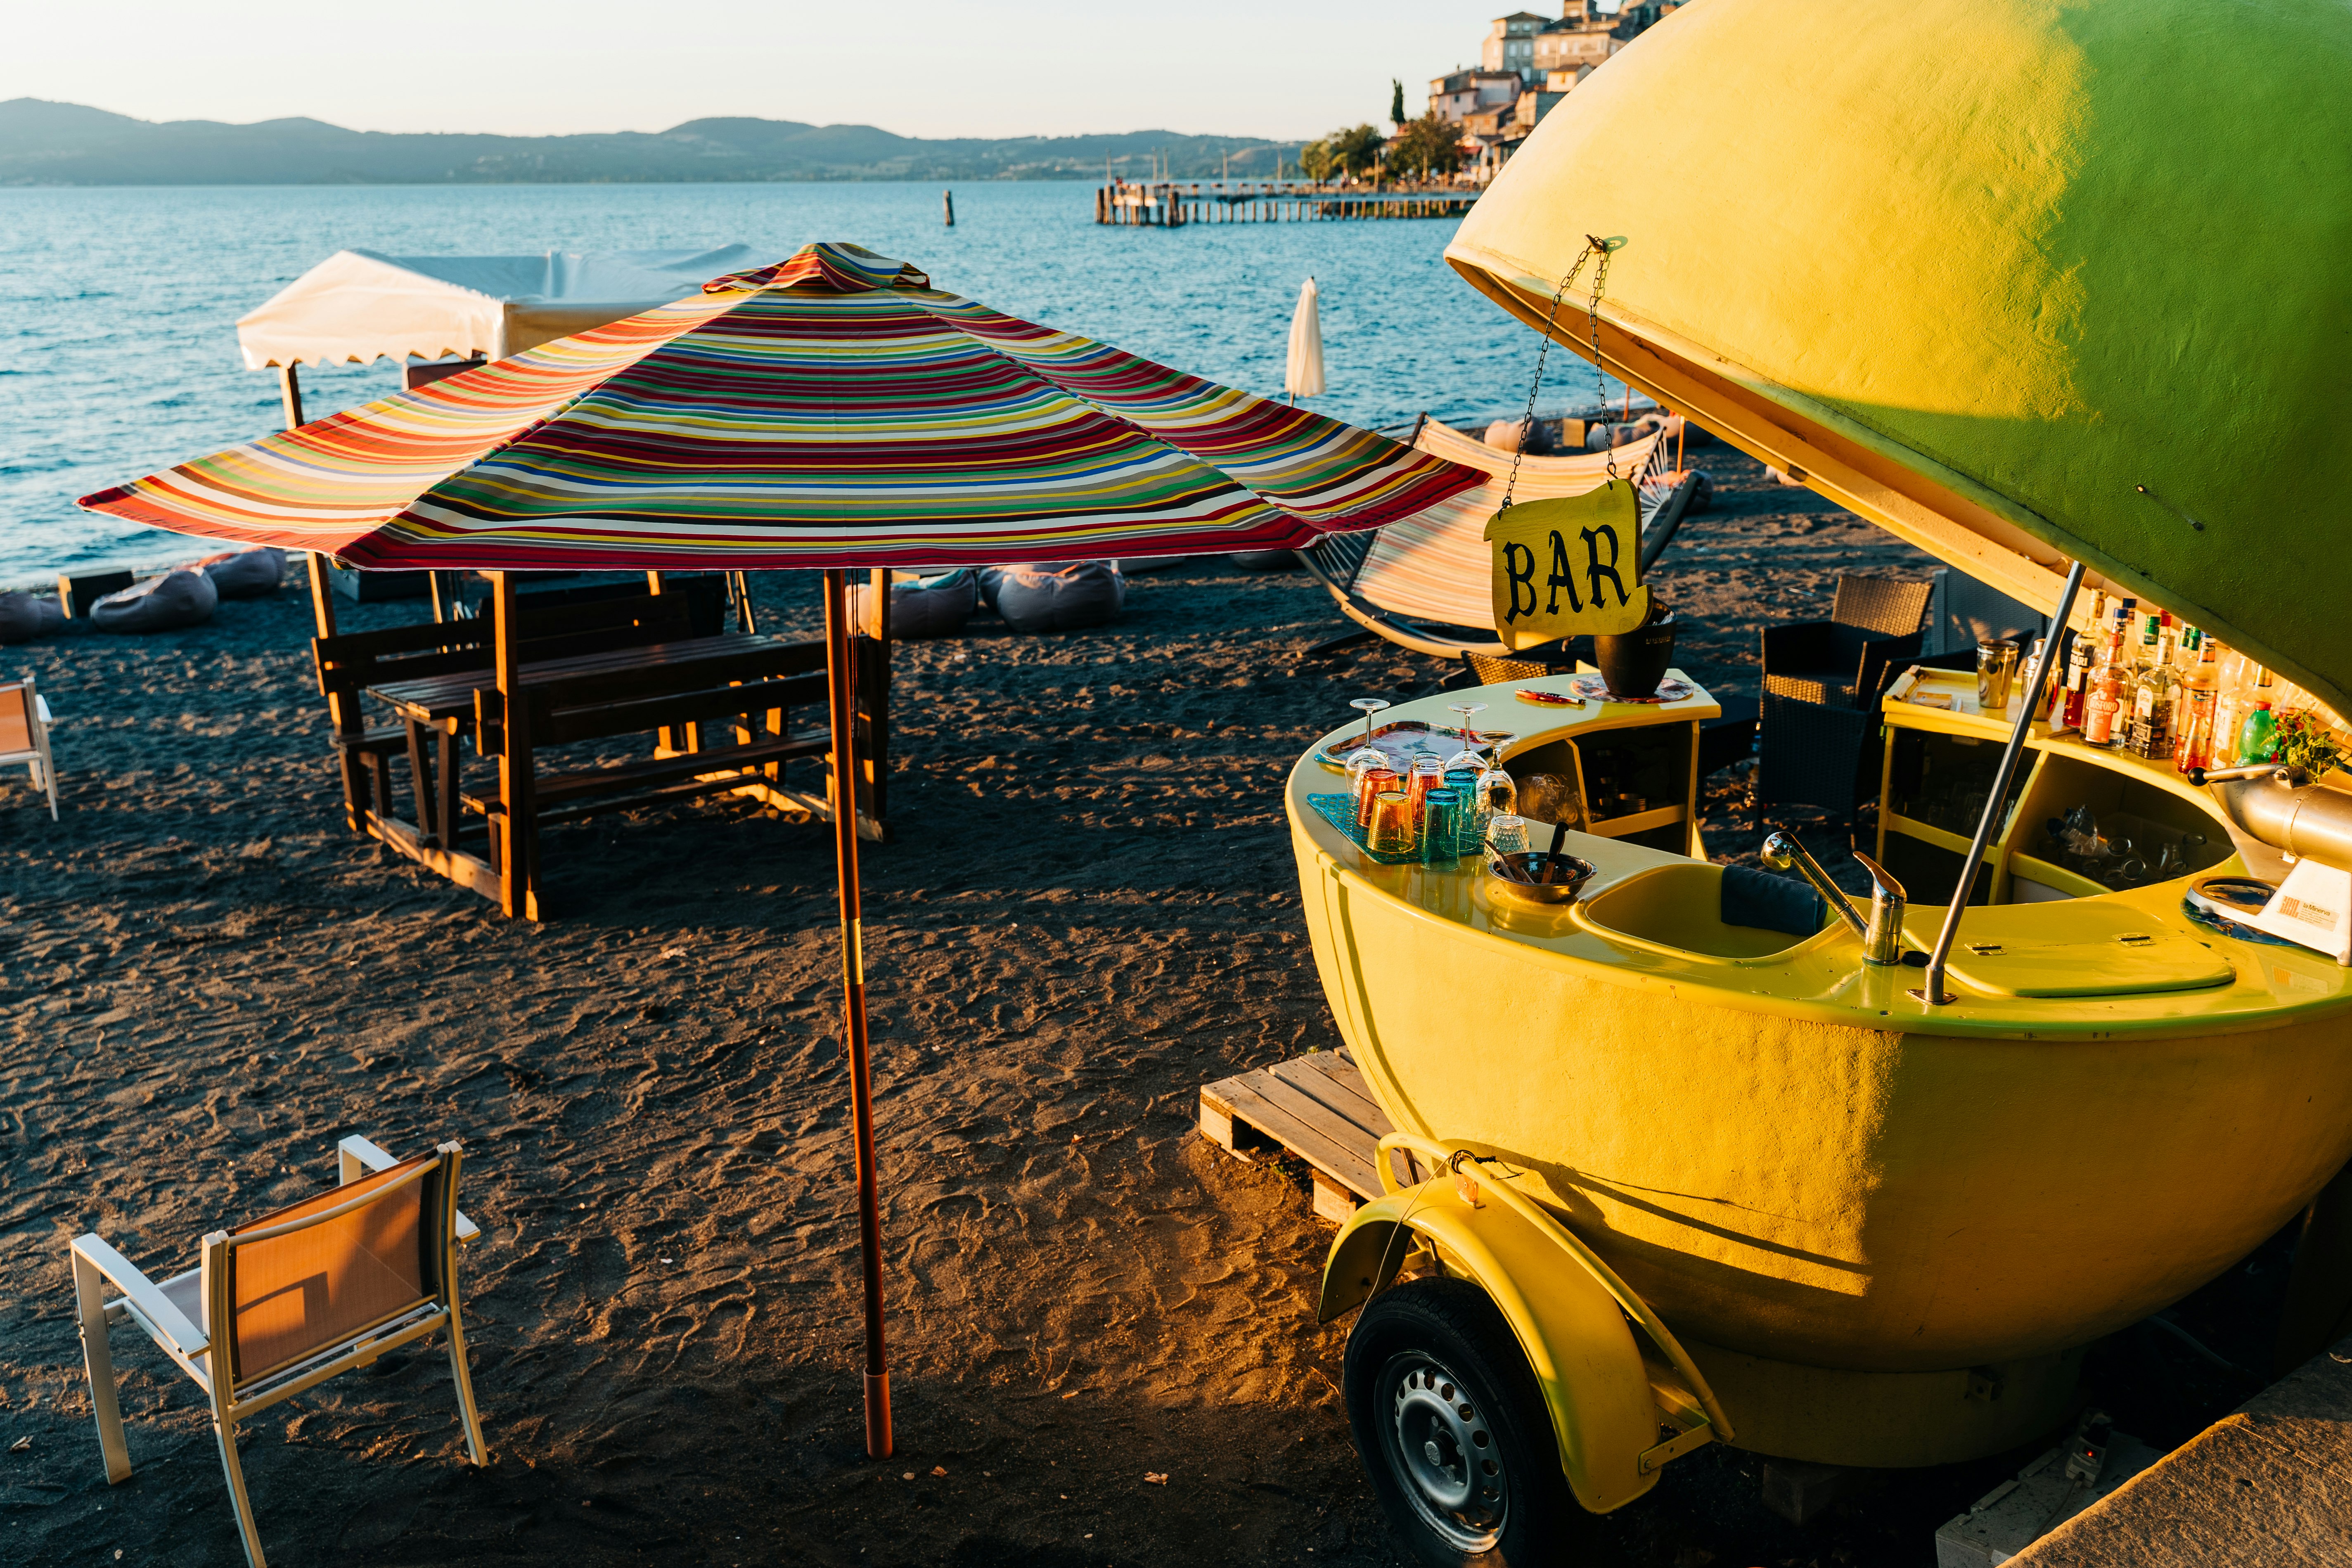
358,306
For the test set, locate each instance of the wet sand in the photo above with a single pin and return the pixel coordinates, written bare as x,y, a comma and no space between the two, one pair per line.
1089,911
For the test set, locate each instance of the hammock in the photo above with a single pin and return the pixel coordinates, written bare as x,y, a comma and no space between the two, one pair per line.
1434,566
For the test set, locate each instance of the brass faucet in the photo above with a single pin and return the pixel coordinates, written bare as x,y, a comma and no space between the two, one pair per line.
1882,932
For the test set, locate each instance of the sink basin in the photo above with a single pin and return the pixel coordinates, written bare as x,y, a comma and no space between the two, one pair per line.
1678,909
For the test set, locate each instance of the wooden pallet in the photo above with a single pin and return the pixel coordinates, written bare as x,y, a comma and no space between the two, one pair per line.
1317,1107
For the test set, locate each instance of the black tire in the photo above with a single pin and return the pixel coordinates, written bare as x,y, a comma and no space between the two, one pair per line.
1480,1489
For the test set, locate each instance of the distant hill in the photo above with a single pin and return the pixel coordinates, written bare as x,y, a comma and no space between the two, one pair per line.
45,143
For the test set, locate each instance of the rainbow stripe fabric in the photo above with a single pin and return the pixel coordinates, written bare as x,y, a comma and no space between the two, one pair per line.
834,410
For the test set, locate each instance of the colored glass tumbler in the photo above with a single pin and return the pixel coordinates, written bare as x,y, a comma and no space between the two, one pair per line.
1470,819
1440,827
1371,783
1391,829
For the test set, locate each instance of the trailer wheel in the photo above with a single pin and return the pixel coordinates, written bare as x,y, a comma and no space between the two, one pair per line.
1452,1431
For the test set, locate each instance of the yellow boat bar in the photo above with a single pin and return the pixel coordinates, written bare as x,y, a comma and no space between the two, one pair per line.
1883,1231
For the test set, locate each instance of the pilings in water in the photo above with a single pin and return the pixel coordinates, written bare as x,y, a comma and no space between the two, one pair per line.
1167,204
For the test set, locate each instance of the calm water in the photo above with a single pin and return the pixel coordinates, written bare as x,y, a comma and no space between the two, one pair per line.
118,307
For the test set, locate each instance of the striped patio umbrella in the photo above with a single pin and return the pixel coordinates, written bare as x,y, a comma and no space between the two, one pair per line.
832,411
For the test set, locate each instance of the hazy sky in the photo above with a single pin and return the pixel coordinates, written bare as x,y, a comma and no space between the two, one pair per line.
921,67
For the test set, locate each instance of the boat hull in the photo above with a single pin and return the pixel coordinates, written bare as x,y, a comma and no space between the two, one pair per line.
1820,1193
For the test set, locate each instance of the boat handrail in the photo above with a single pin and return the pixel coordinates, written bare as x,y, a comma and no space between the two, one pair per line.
1535,1214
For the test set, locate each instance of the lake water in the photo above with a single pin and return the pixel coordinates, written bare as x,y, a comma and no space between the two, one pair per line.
118,307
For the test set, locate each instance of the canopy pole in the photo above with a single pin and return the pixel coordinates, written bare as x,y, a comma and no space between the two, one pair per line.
1932,991
840,687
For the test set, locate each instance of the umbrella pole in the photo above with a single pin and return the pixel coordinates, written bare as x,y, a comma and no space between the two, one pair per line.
840,688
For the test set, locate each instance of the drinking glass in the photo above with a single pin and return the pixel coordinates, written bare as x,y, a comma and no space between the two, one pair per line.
1366,753
1496,791
1391,829
1441,815
1424,773
1507,835
1468,756
1370,783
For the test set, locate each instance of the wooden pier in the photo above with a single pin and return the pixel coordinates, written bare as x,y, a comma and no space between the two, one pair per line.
1169,204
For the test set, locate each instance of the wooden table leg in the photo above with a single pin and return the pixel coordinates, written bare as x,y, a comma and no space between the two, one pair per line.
445,742
420,775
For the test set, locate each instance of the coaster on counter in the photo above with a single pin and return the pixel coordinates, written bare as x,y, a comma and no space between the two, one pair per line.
1593,689
1930,700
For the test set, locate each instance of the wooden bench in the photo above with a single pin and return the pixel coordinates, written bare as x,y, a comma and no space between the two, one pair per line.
585,664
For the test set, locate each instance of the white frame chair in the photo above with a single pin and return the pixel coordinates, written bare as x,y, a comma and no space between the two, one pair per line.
36,727
191,1313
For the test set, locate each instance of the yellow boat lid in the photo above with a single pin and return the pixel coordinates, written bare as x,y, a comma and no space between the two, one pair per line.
2079,948
2019,279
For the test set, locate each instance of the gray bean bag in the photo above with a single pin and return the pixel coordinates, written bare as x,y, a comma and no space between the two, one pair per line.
1136,565
247,573
24,616
1055,598
176,599
934,606
1264,560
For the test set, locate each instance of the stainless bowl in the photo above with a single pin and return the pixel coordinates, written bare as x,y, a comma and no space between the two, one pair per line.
1514,876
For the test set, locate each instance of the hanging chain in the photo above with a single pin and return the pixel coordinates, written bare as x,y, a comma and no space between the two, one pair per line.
1591,312
1592,326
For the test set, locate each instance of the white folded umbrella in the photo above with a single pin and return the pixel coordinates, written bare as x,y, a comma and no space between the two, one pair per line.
1303,376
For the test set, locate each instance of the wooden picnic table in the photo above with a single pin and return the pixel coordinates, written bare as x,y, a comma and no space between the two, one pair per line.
670,687
434,699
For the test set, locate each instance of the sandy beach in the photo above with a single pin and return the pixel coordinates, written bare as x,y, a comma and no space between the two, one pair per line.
1089,911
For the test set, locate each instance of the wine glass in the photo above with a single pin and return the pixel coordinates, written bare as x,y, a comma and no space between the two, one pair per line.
1468,756
1497,790
1366,755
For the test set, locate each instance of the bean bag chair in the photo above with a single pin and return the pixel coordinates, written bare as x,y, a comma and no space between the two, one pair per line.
247,573
24,616
1062,598
934,606
1136,565
176,599
1532,436
1264,560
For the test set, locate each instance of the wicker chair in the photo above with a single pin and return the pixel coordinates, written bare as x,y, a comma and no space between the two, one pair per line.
1848,660
1816,754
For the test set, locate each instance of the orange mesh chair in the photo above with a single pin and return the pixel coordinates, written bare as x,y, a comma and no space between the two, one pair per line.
289,1300
24,736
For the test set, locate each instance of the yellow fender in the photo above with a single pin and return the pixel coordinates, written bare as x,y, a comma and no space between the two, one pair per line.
1575,1336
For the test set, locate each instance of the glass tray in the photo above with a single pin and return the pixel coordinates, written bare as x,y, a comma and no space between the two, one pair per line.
1398,741
1339,810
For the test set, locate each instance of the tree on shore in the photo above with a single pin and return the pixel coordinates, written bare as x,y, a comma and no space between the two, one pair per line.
1430,145
1396,103
1314,161
1356,150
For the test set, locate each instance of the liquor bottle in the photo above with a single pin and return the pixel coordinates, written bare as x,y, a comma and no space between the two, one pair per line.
2230,706
2068,717
2258,738
2151,693
2184,665
2103,704
2194,722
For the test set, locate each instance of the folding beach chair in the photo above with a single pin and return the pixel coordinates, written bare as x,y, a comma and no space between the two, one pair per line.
287,1301
24,736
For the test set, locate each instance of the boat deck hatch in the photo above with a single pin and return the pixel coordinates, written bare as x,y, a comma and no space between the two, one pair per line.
2079,949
